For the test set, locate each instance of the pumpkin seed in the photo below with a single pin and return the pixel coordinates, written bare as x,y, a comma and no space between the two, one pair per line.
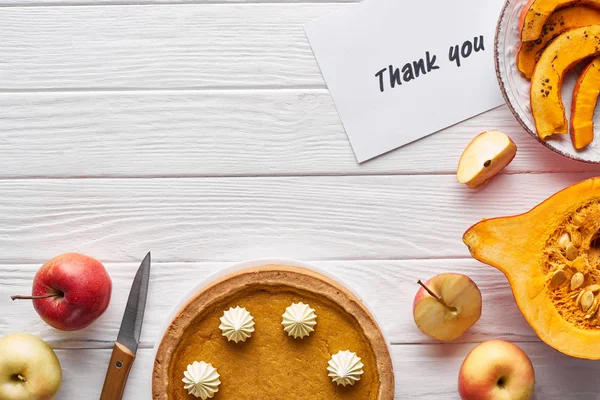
576,239
571,252
593,310
593,288
578,300
577,281
578,219
564,240
558,278
587,300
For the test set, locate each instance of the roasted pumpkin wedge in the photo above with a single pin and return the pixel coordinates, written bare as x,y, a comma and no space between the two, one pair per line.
536,12
563,53
551,257
585,97
559,22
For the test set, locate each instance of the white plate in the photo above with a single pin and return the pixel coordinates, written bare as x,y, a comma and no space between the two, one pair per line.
515,87
249,264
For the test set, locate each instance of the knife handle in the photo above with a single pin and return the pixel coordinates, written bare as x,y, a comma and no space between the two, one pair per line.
118,371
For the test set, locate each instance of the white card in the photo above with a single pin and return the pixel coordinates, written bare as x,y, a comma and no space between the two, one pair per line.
427,90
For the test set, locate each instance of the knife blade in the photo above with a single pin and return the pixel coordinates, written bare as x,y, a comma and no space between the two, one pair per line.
128,339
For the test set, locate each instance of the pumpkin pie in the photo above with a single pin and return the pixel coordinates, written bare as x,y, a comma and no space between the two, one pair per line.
272,365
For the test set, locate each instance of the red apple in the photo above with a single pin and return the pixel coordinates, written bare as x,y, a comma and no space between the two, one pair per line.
70,291
496,370
447,305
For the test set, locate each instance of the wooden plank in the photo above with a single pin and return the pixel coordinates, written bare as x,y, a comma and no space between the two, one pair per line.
387,287
222,133
220,219
422,372
431,372
161,46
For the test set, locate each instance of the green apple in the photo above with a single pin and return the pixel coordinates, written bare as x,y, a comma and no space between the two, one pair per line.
29,368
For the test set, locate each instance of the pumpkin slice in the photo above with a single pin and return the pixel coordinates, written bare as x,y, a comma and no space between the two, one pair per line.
559,22
563,53
550,256
535,14
585,97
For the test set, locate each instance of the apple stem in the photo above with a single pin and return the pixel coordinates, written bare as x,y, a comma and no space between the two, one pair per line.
435,296
21,378
46,296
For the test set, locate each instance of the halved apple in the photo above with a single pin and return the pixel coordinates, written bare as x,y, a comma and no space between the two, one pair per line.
447,305
561,55
559,22
535,14
585,97
484,157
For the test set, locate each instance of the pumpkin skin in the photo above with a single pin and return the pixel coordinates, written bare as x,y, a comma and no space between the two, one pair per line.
585,97
559,22
536,12
557,59
528,249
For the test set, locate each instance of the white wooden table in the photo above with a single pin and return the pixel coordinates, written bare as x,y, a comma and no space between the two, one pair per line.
203,131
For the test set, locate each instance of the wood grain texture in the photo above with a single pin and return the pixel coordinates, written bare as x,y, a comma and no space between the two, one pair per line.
386,287
216,117
219,219
422,372
161,46
222,133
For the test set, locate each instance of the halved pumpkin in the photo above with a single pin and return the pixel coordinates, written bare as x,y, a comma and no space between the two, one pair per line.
561,55
536,12
559,22
585,97
551,257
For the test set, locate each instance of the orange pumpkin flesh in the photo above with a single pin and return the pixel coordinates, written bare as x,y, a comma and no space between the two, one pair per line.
561,55
562,233
559,22
535,14
585,97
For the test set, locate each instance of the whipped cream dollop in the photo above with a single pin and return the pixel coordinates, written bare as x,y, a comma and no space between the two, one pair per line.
345,368
201,380
237,324
299,320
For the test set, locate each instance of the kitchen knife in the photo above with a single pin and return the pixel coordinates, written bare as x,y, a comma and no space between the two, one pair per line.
129,335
